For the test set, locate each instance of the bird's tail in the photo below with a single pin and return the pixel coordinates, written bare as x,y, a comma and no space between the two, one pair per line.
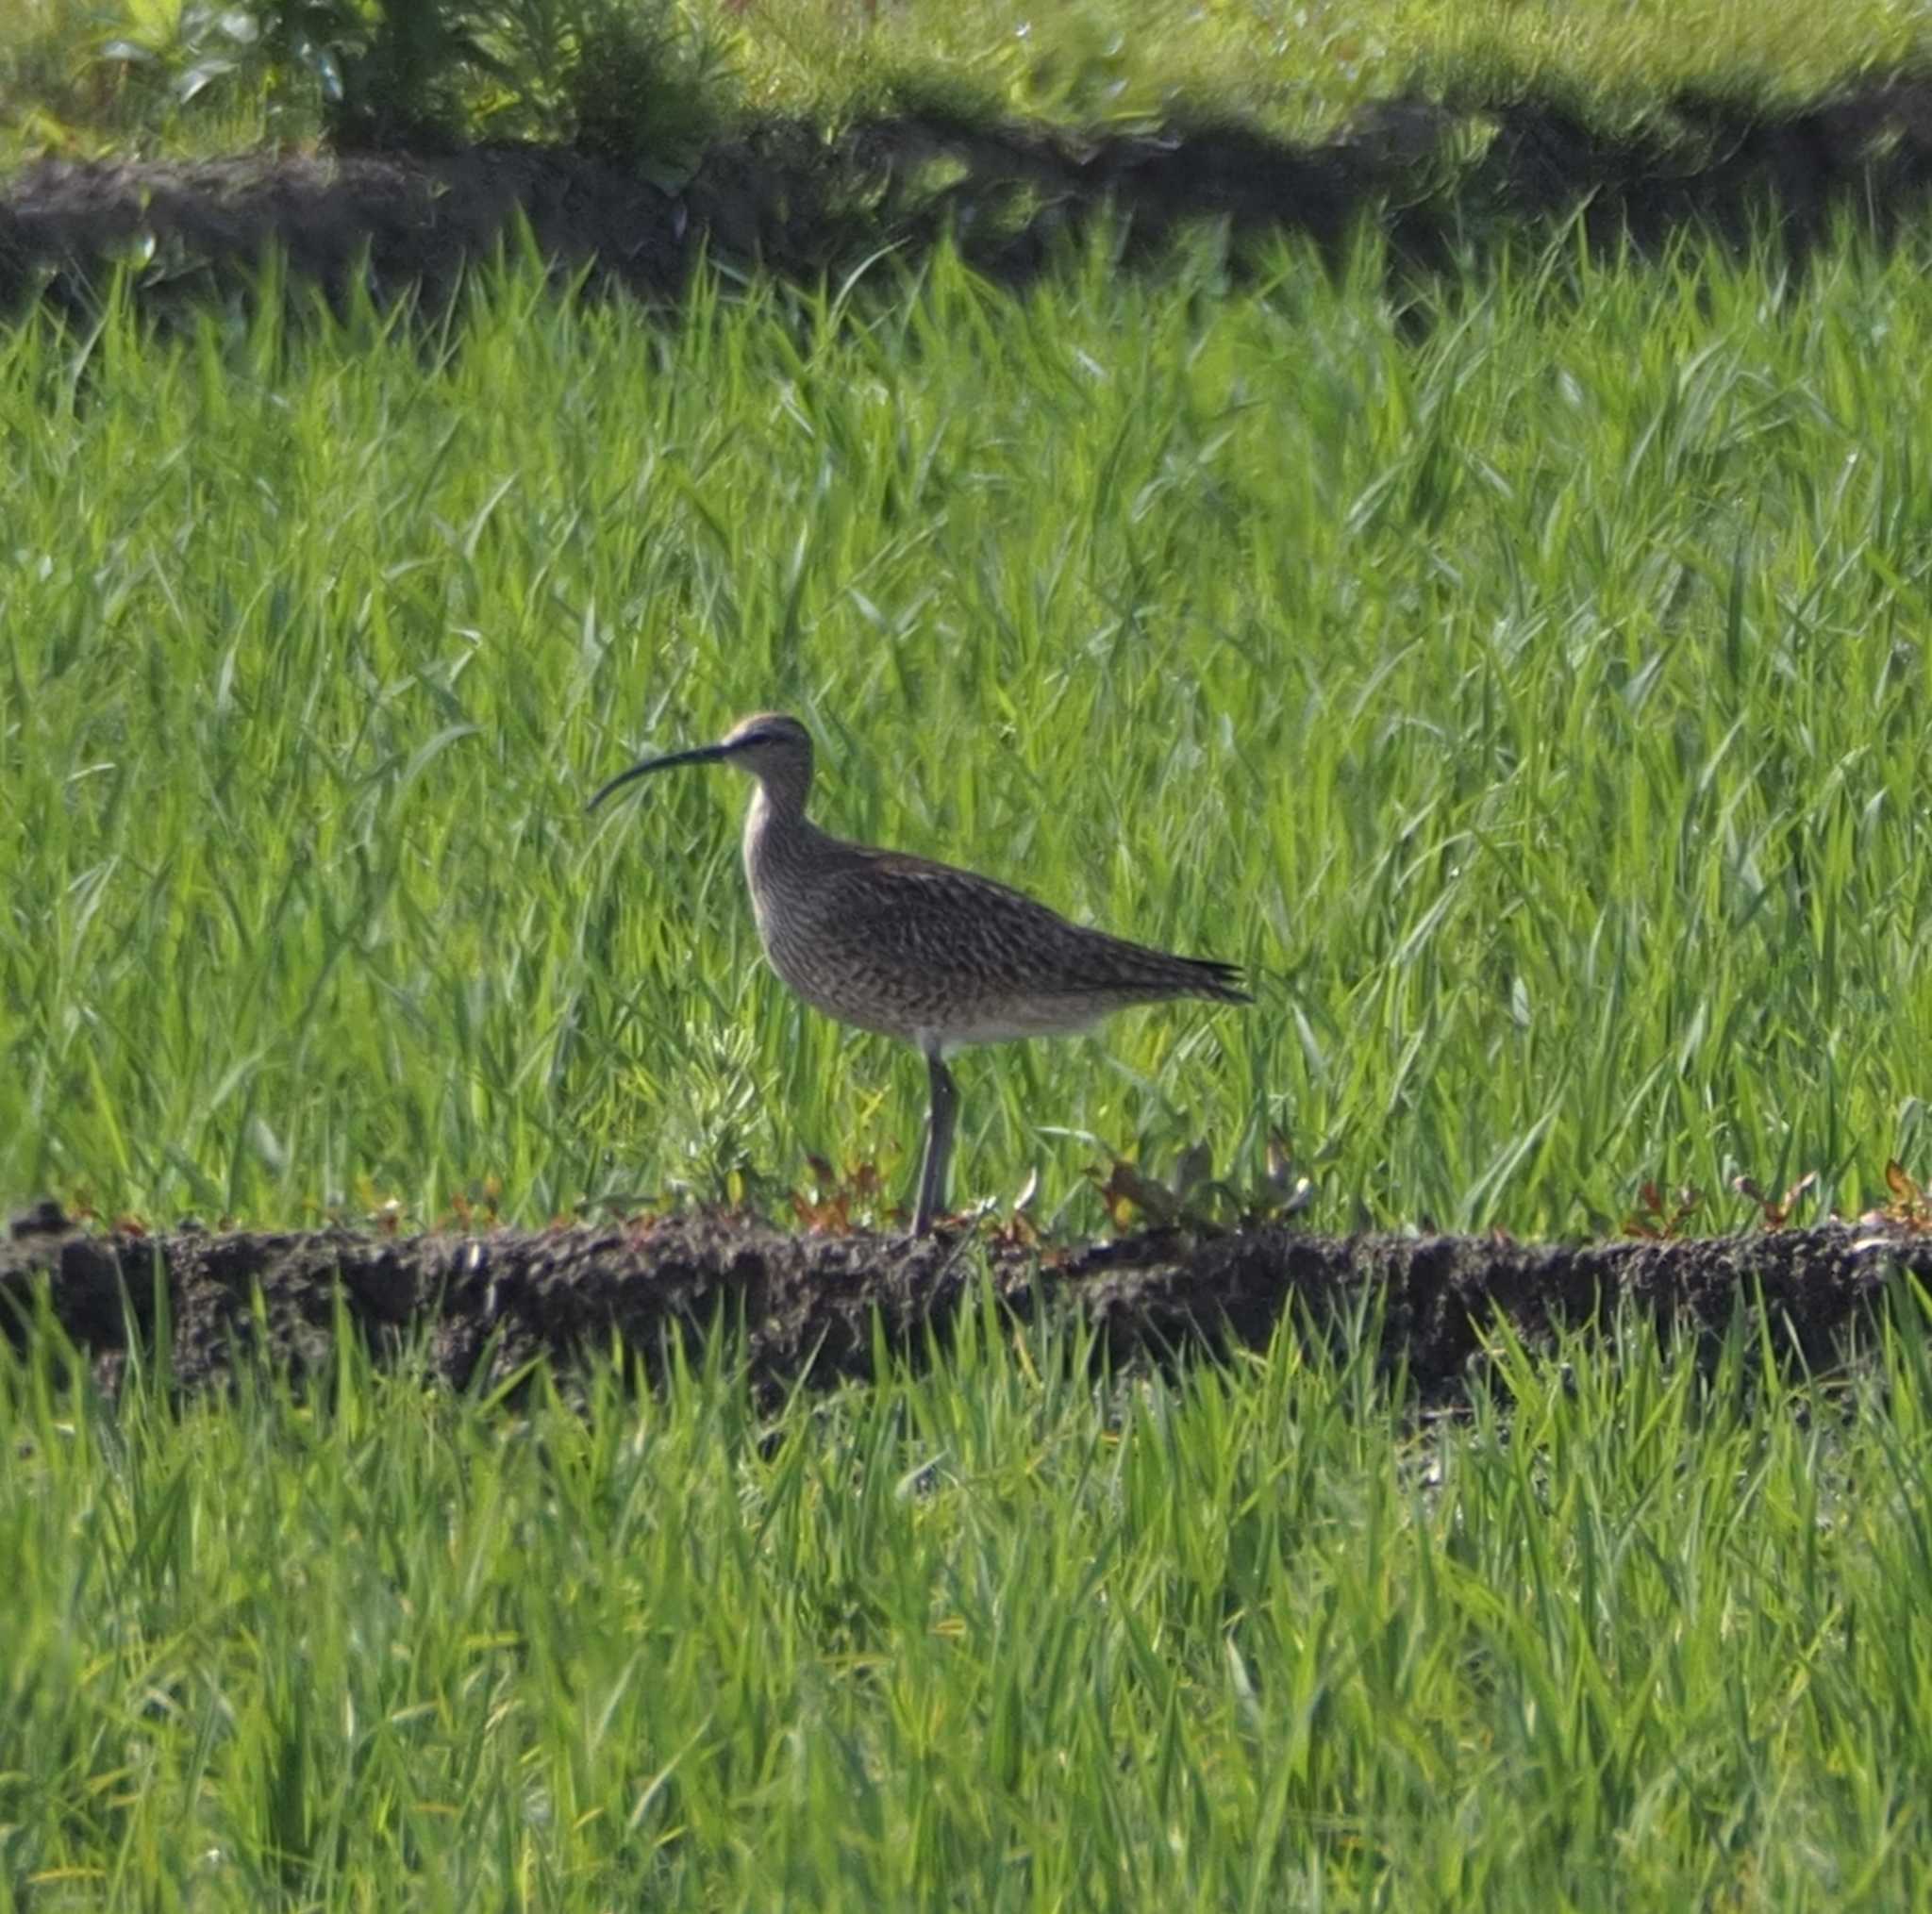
1213,978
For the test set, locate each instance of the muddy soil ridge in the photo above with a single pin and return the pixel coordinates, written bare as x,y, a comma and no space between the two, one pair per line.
1439,175
804,1309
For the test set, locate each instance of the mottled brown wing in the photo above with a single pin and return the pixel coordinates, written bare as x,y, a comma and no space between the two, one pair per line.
973,937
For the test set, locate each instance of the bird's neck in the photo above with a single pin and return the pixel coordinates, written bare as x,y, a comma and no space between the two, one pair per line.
776,833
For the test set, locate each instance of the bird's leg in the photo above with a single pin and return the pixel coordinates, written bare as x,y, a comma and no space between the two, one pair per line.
938,1145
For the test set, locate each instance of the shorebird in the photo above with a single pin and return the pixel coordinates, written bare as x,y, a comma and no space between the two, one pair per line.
920,951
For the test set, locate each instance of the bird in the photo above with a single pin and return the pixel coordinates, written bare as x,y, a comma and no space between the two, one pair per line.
935,955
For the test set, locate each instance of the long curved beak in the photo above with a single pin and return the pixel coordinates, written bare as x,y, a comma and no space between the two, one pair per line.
705,753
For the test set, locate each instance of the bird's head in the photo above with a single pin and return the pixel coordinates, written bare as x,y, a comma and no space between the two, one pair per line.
774,748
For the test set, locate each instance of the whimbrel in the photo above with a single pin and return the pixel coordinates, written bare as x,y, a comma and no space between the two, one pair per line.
921,951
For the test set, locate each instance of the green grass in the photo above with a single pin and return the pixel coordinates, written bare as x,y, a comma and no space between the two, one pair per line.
1299,69
1535,698
1539,711
92,75
987,1638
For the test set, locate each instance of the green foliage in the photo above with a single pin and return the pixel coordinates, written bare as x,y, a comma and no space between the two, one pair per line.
1531,692
622,78
72,75
390,72
1533,709
1630,1633
637,80
196,74
1299,69
642,85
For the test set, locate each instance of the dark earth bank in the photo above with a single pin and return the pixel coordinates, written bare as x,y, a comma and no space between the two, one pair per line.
814,1309
1440,178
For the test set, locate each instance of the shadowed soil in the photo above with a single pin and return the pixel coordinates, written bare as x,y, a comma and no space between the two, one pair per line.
813,1309
1440,178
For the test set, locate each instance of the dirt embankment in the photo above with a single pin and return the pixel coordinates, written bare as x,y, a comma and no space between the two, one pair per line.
1436,177
802,1309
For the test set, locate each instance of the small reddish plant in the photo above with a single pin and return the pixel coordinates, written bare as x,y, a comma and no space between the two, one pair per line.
1777,1211
1659,1218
